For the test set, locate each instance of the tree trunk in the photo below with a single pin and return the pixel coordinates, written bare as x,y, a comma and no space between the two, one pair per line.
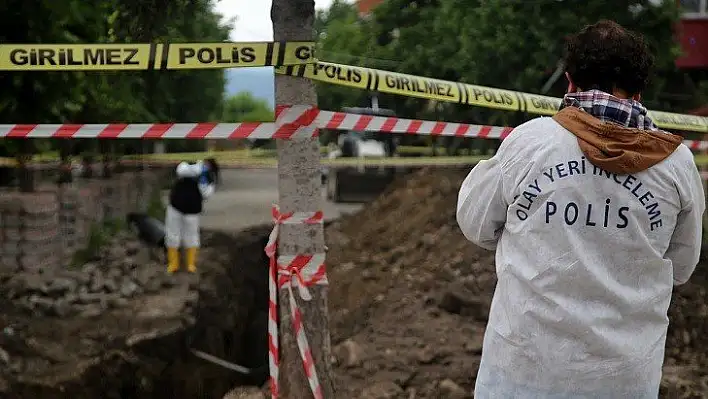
300,190
144,149
107,172
65,175
25,174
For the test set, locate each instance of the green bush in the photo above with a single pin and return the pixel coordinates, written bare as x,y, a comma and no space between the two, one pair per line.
99,236
156,208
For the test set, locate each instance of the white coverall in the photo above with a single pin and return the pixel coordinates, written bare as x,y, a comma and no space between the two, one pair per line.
585,261
182,230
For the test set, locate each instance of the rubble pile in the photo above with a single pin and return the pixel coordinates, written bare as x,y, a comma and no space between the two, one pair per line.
120,327
410,297
122,271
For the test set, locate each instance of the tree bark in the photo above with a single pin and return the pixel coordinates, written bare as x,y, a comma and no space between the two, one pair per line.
25,174
65,175
105,149
300,190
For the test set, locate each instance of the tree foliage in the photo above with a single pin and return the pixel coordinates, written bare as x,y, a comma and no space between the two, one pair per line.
513,44
102,97
243,107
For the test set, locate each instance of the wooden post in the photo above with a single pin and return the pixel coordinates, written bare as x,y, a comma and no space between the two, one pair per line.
65,175
26,175
300,190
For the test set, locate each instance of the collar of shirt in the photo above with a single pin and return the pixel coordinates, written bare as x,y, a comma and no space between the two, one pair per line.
608,108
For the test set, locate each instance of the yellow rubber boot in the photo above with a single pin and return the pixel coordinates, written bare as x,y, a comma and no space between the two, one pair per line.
192,260
172,260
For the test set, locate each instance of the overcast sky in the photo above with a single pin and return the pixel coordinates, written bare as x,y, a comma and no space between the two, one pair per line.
252,25
253,18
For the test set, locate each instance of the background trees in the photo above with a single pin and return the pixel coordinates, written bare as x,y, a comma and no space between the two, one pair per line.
509,44
244,107
160,96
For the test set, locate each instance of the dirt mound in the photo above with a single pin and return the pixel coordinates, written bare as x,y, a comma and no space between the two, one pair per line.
410,299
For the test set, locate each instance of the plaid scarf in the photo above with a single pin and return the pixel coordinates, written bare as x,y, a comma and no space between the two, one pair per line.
608,108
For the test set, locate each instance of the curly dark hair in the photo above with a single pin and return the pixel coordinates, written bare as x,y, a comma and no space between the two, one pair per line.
606,56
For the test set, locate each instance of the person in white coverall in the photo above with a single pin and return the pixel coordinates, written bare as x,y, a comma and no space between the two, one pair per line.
194,184
595,215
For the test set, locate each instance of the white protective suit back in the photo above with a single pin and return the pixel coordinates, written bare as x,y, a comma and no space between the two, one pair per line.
586,261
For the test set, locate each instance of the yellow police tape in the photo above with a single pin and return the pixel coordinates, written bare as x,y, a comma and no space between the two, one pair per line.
111,57
462,93
290,58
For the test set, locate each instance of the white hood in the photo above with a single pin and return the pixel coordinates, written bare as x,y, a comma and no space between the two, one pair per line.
185,169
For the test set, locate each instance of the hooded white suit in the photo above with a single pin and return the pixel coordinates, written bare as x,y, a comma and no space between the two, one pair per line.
586,256
182,219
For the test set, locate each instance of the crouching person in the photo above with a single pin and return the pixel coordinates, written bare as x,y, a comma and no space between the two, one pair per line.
195,183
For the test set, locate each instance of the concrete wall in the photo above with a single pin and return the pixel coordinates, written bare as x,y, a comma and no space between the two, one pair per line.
41,231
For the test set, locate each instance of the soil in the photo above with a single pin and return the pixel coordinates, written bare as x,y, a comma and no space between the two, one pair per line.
409,301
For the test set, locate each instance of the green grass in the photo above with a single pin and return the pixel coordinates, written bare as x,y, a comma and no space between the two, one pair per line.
258,156
406,161
701,160
242,157
156,208
268,157
99,236
219,155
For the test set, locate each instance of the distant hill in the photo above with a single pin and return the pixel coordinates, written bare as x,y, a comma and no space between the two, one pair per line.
258,81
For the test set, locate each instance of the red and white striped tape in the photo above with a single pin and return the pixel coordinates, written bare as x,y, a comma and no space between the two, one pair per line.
390,124
303,271
292,122
300,271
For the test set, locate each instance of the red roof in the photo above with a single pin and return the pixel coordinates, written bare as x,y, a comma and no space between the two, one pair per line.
365,6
